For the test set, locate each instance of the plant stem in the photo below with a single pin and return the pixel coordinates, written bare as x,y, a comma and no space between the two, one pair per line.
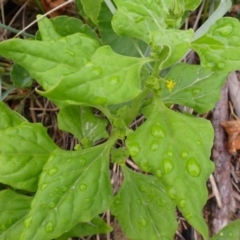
16,31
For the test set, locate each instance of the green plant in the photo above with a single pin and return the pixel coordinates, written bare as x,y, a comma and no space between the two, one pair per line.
172,149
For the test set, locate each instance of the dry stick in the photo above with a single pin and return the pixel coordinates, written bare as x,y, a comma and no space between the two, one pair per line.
220,216
215,191
44,15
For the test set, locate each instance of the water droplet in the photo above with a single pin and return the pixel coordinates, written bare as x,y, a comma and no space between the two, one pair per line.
64,189
22,236
189,216
193,167
224,31
149,2
154,145
49,226
99,100
139,201
210,65
169,154
138,19
230,234
44,185
113,80
88,64
43,205
70,52
97,71
53,171
56,189
83,187
184,154
161,203
221,65
235,39
167,166
28,222
182,203
172,193
142,222
52,205
157,131
65,220
151,196
52,156
198,143
52,195
69,160
159,173
196,91
133,149
142,188
82,161
145,166
221,234
88,200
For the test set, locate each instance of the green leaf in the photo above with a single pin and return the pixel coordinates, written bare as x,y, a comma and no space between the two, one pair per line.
230,232
195,86
158,146
65,26
9,118
20,77
24,150
95,226
81,122
192,5
48,61
138,18
13,209
218,48
170,51
92,9
108,78
143,208
74,187
121,45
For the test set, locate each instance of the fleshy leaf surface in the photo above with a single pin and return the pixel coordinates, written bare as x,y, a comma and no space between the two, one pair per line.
81,122
218,49
158,146
170,51
230,232
24,149
48,61
95,226
13,209
74,187
137,18
108,78
9,118
195,86
143,209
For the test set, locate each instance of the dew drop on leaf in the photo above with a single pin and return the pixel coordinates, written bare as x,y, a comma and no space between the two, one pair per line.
230,234
83,187
88,64
22,236
113,80
161,203
184,154
157,131
43,205
88,200
196,91
49,226
169,154
56,189
182,203
52,205
97,71
28,222
82,161
142,222
52,171
193,167
138,19
139,201
167,166
44,185
154,145
149,2
159,173
64,189
133,149
99,100
70,53
172,193
69,160
189,216
221,234
143,188
198,143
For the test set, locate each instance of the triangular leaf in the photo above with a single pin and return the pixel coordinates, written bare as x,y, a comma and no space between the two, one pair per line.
158,146
81,122
95,226
108,78
24,150
143,209
74,187
218,49
195,87
13,209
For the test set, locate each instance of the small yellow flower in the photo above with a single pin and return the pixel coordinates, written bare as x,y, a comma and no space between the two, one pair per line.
170,85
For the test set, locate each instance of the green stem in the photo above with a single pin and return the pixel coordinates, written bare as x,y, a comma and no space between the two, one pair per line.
16,31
